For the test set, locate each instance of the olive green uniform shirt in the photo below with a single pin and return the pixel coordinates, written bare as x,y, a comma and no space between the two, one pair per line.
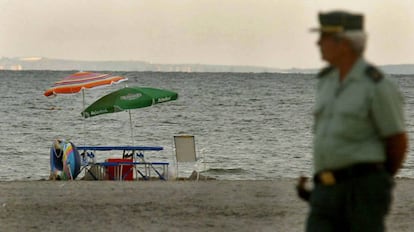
353,117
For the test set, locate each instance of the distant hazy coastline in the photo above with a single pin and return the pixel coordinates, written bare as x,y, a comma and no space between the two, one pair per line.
42,63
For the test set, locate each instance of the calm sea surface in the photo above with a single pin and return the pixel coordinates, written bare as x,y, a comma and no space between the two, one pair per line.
247,126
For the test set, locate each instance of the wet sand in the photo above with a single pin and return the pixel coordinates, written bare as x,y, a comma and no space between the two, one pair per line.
169,206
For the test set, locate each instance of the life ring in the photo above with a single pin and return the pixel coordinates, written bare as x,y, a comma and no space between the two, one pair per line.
65,160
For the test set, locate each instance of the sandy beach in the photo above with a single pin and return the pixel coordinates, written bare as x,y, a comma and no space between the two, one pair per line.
168,206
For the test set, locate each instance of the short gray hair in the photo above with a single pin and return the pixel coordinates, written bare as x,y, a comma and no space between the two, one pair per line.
357,39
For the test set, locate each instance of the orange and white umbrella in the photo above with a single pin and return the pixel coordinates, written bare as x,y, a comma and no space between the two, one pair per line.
82,80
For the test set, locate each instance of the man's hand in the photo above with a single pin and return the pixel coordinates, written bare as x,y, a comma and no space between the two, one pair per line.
396,147
301,189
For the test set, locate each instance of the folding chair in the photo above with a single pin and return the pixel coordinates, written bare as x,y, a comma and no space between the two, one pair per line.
185,150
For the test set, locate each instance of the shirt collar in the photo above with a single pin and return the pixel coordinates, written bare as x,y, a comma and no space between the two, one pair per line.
357,70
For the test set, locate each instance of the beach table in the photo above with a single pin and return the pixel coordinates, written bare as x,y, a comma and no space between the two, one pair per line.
132,162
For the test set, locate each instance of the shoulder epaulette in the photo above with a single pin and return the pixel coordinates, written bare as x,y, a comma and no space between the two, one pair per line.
324,71
374,73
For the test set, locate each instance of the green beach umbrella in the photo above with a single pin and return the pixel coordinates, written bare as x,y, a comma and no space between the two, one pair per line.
128,98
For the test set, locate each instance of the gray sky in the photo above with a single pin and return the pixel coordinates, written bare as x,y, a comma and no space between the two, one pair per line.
272,33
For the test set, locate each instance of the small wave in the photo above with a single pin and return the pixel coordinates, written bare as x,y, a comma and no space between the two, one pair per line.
220,171
168,122
43,108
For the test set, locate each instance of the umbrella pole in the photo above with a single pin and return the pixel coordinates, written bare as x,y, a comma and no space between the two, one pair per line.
83,118
130,124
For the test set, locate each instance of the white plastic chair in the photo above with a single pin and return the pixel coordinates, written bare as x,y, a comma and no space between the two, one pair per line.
185,151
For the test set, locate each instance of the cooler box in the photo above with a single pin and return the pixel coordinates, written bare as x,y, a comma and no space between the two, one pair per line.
120,172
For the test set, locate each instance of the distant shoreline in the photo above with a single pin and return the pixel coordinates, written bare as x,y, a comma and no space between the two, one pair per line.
41,63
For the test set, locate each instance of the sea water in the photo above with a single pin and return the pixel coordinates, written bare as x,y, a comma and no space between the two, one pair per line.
247,126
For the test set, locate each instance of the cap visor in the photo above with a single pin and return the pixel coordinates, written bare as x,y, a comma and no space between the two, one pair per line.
315,29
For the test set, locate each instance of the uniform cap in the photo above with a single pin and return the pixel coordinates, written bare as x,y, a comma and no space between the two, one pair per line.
339,21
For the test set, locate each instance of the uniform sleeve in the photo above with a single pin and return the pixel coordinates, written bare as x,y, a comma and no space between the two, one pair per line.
387,108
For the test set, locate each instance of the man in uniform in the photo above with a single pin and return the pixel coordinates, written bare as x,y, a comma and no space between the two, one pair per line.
360,137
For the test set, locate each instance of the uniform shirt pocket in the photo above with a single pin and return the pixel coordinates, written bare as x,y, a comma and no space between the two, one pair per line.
352,123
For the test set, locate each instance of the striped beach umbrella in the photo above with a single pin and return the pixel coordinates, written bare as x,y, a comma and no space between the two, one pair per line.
82,80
